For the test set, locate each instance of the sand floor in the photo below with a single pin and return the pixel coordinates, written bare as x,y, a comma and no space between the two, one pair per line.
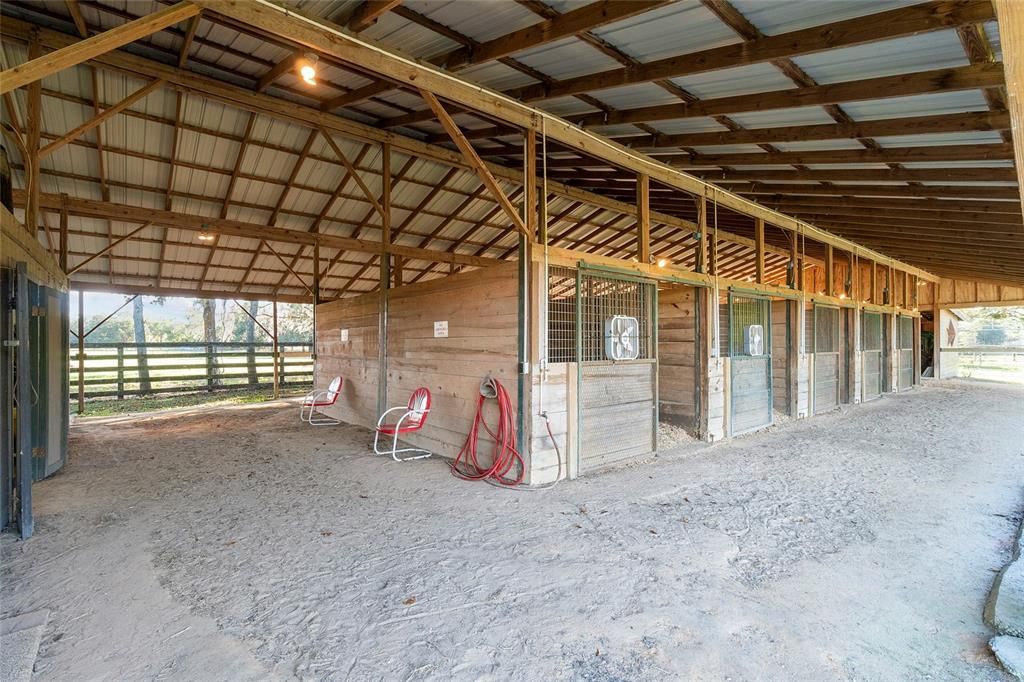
236,543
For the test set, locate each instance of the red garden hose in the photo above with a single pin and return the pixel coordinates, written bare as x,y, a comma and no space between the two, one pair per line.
506,456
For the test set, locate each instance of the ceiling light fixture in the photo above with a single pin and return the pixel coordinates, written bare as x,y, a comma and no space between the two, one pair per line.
307,67
662,262
205,236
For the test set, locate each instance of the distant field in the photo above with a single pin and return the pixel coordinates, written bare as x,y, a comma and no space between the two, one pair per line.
984,367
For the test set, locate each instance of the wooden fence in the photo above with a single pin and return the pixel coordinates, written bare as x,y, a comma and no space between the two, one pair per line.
128,369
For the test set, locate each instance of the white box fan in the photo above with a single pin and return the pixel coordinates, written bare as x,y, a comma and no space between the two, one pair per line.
621,338
753,340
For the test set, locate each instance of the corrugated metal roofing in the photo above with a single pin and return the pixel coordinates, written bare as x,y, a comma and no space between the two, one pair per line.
783,16
934,50
679,28
566,58
743,80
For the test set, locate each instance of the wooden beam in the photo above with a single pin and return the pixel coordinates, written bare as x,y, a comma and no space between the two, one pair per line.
236,228
89,48
1011,39
381,211
872,175
916,125
643,218
76,16
64,233
97,120
144,290
759,249
186,44
579,20
105,249
289,268
887,25
557,130
276,72
366,14
475,161
33,127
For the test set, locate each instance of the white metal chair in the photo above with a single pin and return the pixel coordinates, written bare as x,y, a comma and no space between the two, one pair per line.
414,416
322,398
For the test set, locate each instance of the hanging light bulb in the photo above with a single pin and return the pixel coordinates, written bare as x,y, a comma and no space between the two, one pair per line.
307,67
662,262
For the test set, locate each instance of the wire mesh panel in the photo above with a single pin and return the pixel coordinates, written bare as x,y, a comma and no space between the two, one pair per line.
603,299
826,358
905,338
750,368
871,355
561,314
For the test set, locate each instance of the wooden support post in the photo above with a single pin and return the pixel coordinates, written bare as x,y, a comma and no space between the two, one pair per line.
937,333
643,218
829,271
794,242
527,322
64,232
399,271
873,279
33,126
316,296
702,234
759,248
81,352
384,281
277,356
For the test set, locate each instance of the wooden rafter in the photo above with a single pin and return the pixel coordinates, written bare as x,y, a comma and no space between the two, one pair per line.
475,161
368,12
95,121
90,48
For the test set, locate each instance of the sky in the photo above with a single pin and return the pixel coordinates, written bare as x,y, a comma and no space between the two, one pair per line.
174,308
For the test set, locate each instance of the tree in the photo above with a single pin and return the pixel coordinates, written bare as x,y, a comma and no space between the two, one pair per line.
139,324
250,338
210,336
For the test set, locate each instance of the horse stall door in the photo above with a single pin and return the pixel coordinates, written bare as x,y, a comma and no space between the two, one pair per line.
750,362
905,337
871,354
827,360
617,370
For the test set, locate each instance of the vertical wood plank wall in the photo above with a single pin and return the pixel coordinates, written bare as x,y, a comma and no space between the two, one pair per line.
677,376
481,309
780,356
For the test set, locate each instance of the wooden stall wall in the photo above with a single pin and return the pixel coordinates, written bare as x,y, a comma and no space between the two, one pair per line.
677,338
481,311
780,345
347,346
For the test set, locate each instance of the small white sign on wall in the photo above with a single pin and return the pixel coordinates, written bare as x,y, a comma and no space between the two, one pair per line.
344,335
441,329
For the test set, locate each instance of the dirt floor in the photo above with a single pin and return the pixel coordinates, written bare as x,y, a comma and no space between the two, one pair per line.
235,543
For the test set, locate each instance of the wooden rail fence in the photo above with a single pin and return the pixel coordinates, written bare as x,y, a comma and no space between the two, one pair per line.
128,369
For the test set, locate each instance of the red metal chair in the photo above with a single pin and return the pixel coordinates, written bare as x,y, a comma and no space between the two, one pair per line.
322,398
414,416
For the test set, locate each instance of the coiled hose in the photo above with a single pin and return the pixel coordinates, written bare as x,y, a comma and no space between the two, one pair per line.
506,457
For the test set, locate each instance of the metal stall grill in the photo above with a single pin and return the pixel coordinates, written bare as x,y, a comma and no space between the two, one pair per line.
906,355
750,363
617,371
827,365
561,315
871,353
